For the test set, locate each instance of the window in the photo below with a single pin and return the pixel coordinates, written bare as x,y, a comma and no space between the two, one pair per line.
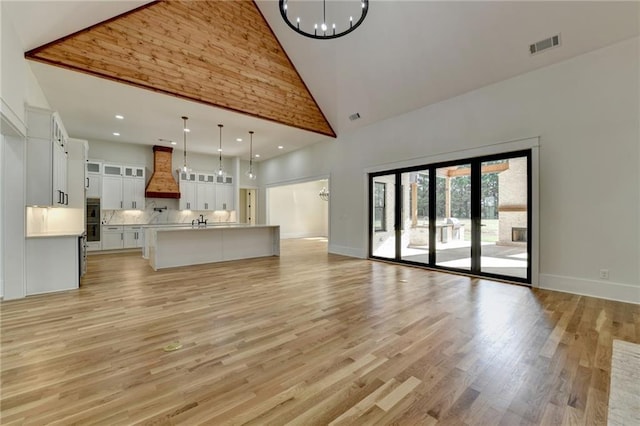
379,206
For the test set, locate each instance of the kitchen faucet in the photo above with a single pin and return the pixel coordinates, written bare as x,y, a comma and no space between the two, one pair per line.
199,221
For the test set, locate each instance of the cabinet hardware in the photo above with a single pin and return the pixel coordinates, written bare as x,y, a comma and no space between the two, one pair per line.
87,182
66,199
120,204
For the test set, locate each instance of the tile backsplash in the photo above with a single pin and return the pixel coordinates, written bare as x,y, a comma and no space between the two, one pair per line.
168,214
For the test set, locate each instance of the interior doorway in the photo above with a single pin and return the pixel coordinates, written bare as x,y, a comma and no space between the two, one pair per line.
300,209
247,206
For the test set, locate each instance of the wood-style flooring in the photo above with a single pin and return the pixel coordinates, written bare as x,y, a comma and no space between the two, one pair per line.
306,338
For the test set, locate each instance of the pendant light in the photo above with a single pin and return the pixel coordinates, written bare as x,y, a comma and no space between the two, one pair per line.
220,171
250,174
185,169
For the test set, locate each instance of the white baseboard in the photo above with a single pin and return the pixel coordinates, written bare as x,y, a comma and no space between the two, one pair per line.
346,251
601,289
291,235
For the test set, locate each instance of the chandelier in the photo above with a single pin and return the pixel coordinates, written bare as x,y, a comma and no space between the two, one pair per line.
314,20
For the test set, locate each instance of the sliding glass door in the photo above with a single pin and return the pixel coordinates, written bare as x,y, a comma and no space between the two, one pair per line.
471,216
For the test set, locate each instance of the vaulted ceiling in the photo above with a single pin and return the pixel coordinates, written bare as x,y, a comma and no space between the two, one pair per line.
220,53
406,55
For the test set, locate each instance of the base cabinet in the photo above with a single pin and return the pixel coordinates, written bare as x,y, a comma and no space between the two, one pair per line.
52,264
133,237
116,237
112,237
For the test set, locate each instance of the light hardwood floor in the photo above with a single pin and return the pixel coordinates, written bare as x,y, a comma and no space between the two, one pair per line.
306,338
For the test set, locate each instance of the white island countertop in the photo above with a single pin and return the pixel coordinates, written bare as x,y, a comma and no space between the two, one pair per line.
182,245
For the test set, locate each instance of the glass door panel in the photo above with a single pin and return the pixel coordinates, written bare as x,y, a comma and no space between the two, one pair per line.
453,216
383,237
504,217
415,216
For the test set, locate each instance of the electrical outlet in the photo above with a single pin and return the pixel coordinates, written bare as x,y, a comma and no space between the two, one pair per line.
604,274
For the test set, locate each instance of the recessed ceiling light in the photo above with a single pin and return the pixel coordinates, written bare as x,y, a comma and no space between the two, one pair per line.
187,130
219,149
174,143
239,140
116,134
257,155
120,117
280,147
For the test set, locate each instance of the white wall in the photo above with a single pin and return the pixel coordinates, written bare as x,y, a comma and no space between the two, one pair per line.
298,210
585,111
13,84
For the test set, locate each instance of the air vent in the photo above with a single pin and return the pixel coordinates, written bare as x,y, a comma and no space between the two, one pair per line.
545,44
354,116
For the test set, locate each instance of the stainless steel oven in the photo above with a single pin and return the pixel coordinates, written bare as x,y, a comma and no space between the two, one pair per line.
93,220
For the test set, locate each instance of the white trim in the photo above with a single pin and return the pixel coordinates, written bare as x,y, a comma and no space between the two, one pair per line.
489,149
10,122
293,235
346,251
601,289
326,177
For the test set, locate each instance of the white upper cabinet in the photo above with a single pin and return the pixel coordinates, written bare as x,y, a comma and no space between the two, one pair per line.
123,187
188,191
46,159
93,179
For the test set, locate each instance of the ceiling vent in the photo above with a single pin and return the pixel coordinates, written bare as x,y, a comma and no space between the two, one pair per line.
545,44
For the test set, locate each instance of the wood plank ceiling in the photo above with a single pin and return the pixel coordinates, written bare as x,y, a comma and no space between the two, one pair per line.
220,53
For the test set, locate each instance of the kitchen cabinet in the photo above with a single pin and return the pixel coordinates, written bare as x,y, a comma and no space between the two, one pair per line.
133,193
123,187
224,196
111,193
112,237
206,192
52,264
133,236
93,180
46,159
188,191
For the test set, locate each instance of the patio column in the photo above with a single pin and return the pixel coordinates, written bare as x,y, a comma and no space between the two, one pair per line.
414,204
447,196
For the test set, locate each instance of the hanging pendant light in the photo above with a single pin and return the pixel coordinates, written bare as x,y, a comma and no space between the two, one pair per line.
185,130
220,171
250,174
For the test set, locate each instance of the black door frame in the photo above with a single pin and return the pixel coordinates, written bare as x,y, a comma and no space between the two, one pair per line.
476,195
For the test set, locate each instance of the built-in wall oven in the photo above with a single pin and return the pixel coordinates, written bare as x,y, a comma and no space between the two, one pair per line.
93,223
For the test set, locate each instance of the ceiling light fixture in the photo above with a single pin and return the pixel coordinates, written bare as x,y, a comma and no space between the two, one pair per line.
249,172
185,168
120,117
220,169
257,155
116,134
311,23
280,147
238,139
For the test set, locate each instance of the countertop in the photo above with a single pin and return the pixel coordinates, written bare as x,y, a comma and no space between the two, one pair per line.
53,234
208,227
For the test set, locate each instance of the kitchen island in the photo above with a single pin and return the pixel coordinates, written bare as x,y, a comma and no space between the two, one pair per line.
171,246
